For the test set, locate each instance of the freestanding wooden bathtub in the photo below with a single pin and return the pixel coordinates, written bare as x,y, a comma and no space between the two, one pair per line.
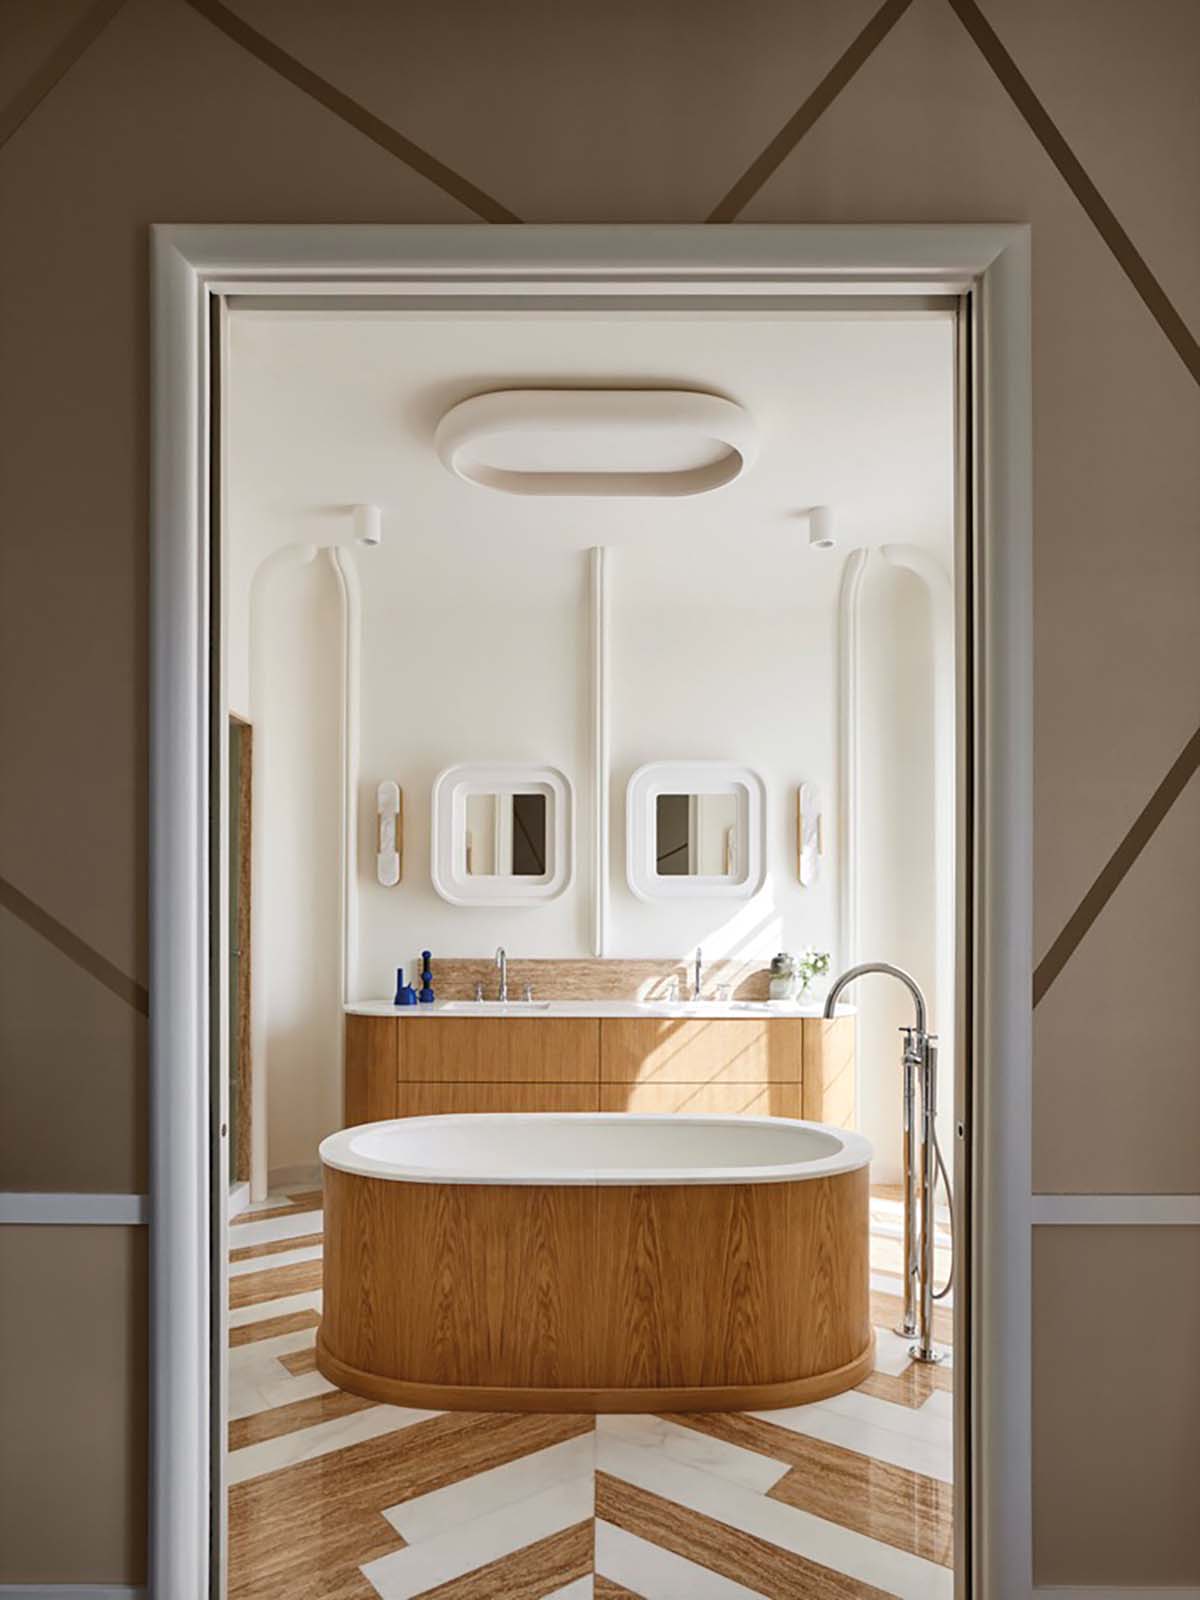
595,1263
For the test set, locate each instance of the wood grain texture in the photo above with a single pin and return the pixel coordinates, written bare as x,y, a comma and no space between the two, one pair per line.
300,1361
726,1099
606,1589
828,1076
609,1297
373,1046
301,1533
751,1050
255,1287
531,1573
307,1200
438,1099
904,1509
306,1413
275,1247
271,1327
766,1569
440,1049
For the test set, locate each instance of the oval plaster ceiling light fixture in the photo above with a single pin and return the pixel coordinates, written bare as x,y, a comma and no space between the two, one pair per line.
631,442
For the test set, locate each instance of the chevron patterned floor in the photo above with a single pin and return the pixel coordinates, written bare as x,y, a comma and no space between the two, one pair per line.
336,1498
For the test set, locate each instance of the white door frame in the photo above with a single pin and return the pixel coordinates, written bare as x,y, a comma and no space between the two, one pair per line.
193,268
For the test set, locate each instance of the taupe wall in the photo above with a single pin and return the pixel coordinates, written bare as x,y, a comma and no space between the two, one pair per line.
160,110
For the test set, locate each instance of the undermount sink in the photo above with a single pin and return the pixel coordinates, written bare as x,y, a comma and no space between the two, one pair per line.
700,1008
493,1008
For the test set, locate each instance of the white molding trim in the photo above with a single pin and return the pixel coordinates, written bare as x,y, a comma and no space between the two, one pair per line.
1116,1210
1092,1593
305,1176
848,761
70,1591
647,266
69,1210
239,1199
599,562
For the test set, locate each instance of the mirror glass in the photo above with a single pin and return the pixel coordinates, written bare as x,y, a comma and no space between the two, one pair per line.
695,835
505,836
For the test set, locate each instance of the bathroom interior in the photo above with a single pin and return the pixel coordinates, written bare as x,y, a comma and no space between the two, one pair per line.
586,710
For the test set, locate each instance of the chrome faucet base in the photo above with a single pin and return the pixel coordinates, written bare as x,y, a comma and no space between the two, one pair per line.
928,1358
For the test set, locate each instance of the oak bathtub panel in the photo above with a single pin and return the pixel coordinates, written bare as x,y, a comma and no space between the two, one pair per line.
501,1049
727,1099
780,1291
440,1099
737,1050
442,1283
595,1297
372,1067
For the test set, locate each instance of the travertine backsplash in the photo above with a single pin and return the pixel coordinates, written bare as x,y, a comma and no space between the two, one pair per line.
454,978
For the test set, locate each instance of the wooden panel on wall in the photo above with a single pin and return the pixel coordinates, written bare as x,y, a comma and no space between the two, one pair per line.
728,1099
829,1071
372,1068
750,1050
500,1049
436,1099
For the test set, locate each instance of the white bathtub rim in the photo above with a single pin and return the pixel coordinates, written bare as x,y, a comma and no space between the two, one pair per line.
855,1152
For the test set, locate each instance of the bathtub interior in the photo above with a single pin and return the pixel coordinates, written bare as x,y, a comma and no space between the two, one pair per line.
594,1148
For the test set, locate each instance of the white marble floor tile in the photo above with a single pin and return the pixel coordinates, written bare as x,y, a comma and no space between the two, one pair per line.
671,1442
932,1422
458,1504
250,1394
305,1444
293,1226
243,1356
935,1460
891,1351
310,1300
895,1571
449,1555
581,1589
285,1258
657,1574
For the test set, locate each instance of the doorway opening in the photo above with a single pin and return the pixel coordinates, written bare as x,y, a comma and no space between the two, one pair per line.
506,609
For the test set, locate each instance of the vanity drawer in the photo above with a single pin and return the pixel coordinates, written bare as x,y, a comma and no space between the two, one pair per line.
500,1050
725,1099
372,1067
643,1050
438,1099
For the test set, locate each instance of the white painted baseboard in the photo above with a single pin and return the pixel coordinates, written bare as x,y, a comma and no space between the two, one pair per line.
1091,1593
70,1591
72,1210
1115,1211
239,1199
306,1177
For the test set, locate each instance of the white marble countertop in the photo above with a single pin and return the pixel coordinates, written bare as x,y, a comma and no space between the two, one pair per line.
732,1010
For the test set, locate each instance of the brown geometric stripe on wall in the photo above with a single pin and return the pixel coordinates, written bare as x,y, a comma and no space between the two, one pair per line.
57,64
74,948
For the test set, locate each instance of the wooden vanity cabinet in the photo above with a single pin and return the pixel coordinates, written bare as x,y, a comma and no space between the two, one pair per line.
748,1066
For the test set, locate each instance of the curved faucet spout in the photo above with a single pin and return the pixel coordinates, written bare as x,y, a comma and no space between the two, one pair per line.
851,973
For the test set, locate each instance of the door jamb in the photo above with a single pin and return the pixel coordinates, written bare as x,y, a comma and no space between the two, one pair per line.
193,268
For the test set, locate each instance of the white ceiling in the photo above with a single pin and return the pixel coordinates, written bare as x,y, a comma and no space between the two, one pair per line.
330,408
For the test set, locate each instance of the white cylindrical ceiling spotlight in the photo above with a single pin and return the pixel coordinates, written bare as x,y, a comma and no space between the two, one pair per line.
368,525
820,528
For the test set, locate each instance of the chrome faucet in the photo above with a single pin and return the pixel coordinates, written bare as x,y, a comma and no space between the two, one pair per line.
922,1160
697,973
502,964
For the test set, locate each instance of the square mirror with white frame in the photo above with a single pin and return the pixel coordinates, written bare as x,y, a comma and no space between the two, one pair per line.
502,834
694,829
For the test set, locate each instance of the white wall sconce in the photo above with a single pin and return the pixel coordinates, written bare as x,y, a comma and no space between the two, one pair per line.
389,833
820,528
810,833
368,525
